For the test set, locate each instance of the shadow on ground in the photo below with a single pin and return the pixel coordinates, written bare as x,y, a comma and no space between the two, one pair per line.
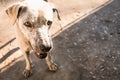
89,50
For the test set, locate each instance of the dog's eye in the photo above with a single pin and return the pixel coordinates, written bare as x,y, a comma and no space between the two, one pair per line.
28,24
49,23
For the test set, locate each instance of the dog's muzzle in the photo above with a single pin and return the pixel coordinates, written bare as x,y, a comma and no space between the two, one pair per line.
44,50
42,55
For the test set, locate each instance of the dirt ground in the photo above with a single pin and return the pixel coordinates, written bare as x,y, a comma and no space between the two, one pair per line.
86,44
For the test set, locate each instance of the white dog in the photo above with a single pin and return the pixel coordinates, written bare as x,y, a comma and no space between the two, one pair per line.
32,20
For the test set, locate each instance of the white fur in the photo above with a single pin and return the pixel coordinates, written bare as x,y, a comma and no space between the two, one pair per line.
41,5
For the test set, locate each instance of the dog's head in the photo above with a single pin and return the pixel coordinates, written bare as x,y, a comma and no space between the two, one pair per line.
34,19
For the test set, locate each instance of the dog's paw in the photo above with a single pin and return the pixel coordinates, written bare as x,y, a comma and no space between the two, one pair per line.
27,73
53,67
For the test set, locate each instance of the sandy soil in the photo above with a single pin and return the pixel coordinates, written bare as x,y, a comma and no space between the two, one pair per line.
86,44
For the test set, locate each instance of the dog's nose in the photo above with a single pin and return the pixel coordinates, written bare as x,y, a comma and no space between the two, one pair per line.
45,48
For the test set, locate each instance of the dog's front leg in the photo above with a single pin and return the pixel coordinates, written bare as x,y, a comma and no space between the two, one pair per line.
27,72
51,65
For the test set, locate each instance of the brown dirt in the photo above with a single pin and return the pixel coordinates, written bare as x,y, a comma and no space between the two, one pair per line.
87,49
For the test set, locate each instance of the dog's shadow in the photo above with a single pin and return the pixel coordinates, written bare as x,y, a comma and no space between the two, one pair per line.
10,52
11,40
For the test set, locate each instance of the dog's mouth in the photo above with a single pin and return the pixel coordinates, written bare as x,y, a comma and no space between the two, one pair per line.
38,53
41,55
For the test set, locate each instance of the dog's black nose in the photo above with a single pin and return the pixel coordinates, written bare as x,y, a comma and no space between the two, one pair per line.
45,48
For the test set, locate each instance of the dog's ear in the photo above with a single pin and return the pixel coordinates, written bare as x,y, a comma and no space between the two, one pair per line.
55,9
14,11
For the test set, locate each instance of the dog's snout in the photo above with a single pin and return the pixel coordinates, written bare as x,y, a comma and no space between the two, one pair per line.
45,48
